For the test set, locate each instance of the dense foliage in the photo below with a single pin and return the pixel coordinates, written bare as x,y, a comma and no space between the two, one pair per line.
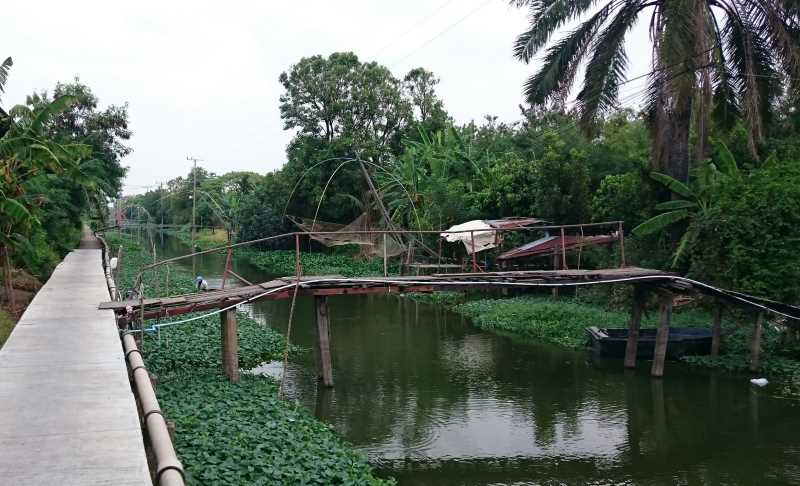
59,162
561,322
282,262
234,433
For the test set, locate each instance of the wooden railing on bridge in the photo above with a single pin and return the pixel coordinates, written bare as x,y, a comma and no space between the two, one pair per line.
645,281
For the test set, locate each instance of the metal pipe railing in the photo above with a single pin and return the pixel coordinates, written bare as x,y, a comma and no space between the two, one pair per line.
168,469
296,234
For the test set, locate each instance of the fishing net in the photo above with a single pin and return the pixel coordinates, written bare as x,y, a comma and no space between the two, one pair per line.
336,234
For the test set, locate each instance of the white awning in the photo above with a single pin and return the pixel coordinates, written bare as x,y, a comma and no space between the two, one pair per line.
484,235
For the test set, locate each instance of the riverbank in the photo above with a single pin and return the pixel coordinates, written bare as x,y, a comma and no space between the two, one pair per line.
563,322
234,433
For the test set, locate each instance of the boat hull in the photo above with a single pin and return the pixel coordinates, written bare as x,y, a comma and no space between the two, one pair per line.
683,341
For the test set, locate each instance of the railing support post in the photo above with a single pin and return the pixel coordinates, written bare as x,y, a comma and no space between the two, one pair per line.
563,250
474,257
621,237
230,344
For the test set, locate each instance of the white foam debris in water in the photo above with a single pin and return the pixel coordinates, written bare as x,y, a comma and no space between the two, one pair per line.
759,381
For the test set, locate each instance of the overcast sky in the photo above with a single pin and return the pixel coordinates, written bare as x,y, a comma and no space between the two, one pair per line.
201,78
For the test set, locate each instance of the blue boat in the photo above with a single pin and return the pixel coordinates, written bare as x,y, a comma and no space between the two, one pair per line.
683,341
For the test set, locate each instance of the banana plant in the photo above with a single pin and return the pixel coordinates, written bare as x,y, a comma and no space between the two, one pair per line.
690,201
25,153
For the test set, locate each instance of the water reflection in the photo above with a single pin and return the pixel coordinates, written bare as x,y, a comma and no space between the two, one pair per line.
432,400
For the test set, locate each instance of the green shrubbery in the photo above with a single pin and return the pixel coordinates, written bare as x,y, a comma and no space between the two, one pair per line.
560,321
281,262
232,434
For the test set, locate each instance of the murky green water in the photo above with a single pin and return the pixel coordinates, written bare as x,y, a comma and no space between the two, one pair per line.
434,401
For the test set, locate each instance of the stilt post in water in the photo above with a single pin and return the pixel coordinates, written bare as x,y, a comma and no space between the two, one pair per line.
662,334
716,329
632,344
755,342
324,362
230,344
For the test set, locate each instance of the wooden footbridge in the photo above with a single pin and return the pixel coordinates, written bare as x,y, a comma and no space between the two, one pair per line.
665,284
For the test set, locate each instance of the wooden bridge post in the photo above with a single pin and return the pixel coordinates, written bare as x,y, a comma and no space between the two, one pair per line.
662,334
474,257
324,362
556,264
230,344
632,345
755,342
716,329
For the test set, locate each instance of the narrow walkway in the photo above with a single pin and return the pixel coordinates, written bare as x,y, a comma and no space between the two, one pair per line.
67,413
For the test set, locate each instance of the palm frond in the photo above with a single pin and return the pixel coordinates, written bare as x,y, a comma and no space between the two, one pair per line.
4,67
546,17
557,73
606,69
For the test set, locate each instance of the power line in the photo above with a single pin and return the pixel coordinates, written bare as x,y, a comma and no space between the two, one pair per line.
416,26
443,31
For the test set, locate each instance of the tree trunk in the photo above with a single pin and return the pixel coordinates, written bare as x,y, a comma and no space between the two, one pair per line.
680,125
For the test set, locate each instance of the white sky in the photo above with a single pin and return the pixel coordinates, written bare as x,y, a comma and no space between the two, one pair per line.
201,77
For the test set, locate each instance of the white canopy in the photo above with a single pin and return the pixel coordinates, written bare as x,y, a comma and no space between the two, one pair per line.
485,236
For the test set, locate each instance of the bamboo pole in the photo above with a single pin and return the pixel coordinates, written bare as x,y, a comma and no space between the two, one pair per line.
563,250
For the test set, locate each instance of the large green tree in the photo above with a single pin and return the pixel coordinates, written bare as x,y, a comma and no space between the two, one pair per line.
339,98
716,59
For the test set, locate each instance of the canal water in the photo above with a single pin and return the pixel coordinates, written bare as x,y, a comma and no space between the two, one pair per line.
432,400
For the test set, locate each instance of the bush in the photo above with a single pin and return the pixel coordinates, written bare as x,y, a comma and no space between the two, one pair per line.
749,239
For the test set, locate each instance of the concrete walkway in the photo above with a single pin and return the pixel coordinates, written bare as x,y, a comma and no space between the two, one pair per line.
67,413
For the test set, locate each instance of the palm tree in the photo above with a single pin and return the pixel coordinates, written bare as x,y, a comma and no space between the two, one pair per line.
718,59
4,67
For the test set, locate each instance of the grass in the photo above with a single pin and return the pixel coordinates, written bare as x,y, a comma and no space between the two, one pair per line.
204,238
232,434
6,326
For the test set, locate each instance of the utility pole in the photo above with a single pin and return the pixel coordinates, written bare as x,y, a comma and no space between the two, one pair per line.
194,160
161,200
